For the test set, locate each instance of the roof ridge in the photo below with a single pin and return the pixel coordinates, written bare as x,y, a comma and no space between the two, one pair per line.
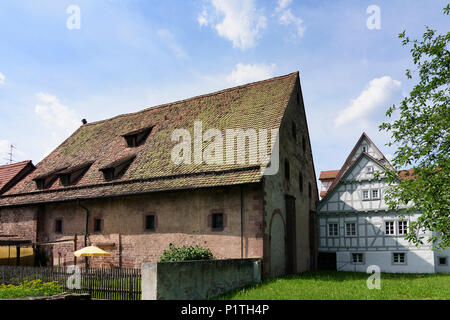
14,164
161,106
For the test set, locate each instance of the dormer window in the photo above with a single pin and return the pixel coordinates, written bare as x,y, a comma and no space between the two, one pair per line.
46,180
117,169
73,174
137,137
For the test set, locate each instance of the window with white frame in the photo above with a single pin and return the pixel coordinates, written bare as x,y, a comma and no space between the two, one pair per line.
364,148
399,258
402,227
365,195
350,229
357,258
375,194
369,169
333,230
389,227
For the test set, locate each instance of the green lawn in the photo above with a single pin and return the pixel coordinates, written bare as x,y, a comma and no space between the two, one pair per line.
332,285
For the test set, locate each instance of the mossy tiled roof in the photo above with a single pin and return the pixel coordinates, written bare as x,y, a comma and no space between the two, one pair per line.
259,105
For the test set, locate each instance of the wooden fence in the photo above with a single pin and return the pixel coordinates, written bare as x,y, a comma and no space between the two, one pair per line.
100,283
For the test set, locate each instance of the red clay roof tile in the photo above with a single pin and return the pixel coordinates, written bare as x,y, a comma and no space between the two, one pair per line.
258,105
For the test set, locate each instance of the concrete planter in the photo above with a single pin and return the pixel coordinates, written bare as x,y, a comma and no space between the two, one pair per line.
193,280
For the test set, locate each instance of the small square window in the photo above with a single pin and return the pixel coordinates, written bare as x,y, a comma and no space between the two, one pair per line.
399,258
402,227
98,225
350,229
58,226
375,194
365,195
442,261
369,169
333,230
357,258
389,227
150,222
217,221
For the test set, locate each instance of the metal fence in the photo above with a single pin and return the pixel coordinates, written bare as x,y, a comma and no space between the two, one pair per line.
100,283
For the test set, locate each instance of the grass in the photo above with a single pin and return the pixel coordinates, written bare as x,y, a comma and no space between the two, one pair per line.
34,288
335,285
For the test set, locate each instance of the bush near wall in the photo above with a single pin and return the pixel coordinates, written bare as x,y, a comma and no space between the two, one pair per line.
185,253
33,288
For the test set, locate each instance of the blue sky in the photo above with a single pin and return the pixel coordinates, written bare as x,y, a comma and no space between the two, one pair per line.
128,55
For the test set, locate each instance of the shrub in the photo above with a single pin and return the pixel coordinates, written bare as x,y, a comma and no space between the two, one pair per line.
33,288
184,253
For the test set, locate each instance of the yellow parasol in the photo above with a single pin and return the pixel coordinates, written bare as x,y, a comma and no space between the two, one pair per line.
90,252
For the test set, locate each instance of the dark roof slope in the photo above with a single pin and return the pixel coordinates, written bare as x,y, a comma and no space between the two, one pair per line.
11,173
259,105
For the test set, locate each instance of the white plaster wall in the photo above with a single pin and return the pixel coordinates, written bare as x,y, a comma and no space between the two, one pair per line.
417,261
442,268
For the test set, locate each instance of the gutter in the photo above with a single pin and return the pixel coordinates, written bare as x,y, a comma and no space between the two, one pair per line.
86,234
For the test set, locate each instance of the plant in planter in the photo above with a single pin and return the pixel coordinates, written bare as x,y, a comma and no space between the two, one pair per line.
186,253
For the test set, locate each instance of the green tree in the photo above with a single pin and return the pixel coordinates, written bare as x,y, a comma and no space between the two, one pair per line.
419,126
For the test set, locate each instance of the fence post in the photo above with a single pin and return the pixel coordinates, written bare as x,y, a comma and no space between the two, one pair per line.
131,289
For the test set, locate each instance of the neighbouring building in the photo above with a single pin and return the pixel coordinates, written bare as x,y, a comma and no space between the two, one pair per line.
356,227
11,252
113,184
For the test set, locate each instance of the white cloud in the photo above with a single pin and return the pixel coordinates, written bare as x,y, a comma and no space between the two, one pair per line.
245,73
379,93
282,4
203,18
241,21
286,18
54,113
2,79
58,118
172,44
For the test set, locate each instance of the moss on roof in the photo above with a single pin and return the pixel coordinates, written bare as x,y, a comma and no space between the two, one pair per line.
259,105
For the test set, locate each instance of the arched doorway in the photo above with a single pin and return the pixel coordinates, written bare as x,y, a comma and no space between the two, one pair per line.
277,244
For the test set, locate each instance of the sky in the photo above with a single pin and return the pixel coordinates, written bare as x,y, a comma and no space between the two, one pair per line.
62,61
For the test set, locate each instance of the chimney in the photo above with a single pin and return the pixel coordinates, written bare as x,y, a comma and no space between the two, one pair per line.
84,121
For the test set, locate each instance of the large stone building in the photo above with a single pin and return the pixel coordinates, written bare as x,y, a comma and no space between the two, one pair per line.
356,227
114,184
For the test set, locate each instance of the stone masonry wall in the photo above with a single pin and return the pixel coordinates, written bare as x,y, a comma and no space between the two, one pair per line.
181,219
299,155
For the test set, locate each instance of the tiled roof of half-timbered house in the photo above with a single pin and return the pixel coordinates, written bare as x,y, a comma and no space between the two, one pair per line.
131,153
336,175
